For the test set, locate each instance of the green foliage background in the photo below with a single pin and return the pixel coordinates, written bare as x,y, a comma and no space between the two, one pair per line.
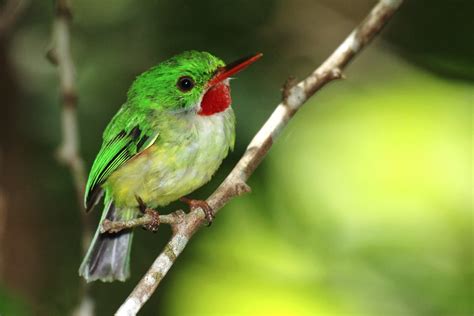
363,207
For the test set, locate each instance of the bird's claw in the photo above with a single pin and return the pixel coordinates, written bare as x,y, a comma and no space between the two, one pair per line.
193,204
155,220
154,215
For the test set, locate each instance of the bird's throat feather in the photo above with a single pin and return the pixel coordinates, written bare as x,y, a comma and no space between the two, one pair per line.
215,100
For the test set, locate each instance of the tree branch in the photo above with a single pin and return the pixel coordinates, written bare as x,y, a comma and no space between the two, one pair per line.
150,219
68,151
60,55
235,183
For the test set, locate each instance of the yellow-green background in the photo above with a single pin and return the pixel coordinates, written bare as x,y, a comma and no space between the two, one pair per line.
362,207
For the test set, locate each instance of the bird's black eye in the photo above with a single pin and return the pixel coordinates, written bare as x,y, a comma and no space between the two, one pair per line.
185,83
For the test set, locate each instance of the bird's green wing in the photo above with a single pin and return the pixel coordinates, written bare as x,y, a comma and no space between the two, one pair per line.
127,135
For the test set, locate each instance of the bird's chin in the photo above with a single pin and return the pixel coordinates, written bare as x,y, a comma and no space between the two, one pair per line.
216,99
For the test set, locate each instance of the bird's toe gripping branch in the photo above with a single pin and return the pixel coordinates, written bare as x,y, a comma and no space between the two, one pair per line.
153,215
193,204
154,220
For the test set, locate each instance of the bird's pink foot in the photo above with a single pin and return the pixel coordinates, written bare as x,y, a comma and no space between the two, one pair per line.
208,212
154,215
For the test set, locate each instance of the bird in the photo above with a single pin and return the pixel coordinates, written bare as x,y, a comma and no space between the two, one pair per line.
168,139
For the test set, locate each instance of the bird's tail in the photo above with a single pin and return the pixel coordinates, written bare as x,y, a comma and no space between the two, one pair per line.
108,257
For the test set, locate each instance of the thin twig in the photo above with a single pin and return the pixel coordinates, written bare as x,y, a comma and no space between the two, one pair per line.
235,183
147,219
60,54
68,152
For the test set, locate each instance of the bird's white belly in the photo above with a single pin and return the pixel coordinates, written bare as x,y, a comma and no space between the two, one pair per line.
169,170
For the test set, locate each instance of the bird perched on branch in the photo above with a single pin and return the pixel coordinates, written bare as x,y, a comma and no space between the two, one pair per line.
167,140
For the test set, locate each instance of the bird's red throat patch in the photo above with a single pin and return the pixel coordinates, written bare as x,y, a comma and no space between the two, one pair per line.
216,99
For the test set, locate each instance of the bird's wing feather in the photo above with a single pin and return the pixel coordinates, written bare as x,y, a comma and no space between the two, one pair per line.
127,135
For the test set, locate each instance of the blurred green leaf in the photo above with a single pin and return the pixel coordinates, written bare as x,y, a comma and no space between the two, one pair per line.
11,304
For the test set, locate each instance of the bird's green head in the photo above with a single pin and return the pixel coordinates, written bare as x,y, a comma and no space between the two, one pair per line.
191,81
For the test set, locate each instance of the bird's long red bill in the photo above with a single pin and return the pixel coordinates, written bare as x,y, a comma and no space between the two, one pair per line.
233,68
